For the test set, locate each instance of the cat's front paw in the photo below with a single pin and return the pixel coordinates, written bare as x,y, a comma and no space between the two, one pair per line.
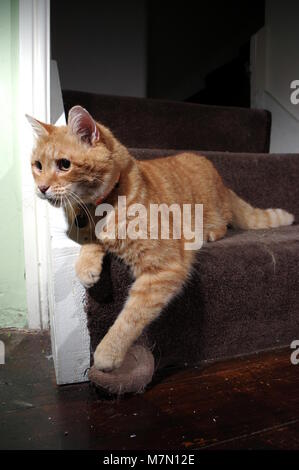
106,359
88,270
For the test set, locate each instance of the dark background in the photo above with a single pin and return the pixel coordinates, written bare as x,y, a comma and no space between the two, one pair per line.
195,51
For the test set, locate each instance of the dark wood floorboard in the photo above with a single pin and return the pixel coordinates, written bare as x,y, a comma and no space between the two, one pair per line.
245,403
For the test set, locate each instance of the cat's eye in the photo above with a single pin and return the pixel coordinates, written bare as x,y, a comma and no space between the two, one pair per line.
63,164
38,165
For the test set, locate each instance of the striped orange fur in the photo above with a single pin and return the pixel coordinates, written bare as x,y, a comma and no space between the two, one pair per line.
97,160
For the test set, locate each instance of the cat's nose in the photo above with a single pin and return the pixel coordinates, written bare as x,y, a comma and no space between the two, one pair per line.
43,189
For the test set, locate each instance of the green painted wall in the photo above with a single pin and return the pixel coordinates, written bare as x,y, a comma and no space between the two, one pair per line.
12,282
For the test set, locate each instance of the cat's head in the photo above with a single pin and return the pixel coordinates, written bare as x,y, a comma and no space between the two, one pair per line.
74,161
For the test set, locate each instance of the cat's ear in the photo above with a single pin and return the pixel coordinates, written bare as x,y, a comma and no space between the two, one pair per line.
40,128
83,125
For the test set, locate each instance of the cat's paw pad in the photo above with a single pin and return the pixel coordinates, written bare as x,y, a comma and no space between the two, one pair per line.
87,273
106,361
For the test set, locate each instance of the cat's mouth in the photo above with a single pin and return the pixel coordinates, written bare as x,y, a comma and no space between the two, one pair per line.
54,199
65,196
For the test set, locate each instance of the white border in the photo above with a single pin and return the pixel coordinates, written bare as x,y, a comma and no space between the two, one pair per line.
34,99
53,292
69,332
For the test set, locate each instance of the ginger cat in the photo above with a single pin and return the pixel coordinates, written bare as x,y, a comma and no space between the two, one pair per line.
85,164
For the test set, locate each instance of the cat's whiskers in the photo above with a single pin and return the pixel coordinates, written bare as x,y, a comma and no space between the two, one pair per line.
81,204
74,217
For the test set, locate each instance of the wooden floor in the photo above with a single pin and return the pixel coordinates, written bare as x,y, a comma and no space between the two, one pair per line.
244,403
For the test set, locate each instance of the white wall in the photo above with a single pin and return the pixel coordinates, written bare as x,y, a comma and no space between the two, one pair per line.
275,64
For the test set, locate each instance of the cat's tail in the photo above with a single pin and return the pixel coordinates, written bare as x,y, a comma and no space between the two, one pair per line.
247,217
